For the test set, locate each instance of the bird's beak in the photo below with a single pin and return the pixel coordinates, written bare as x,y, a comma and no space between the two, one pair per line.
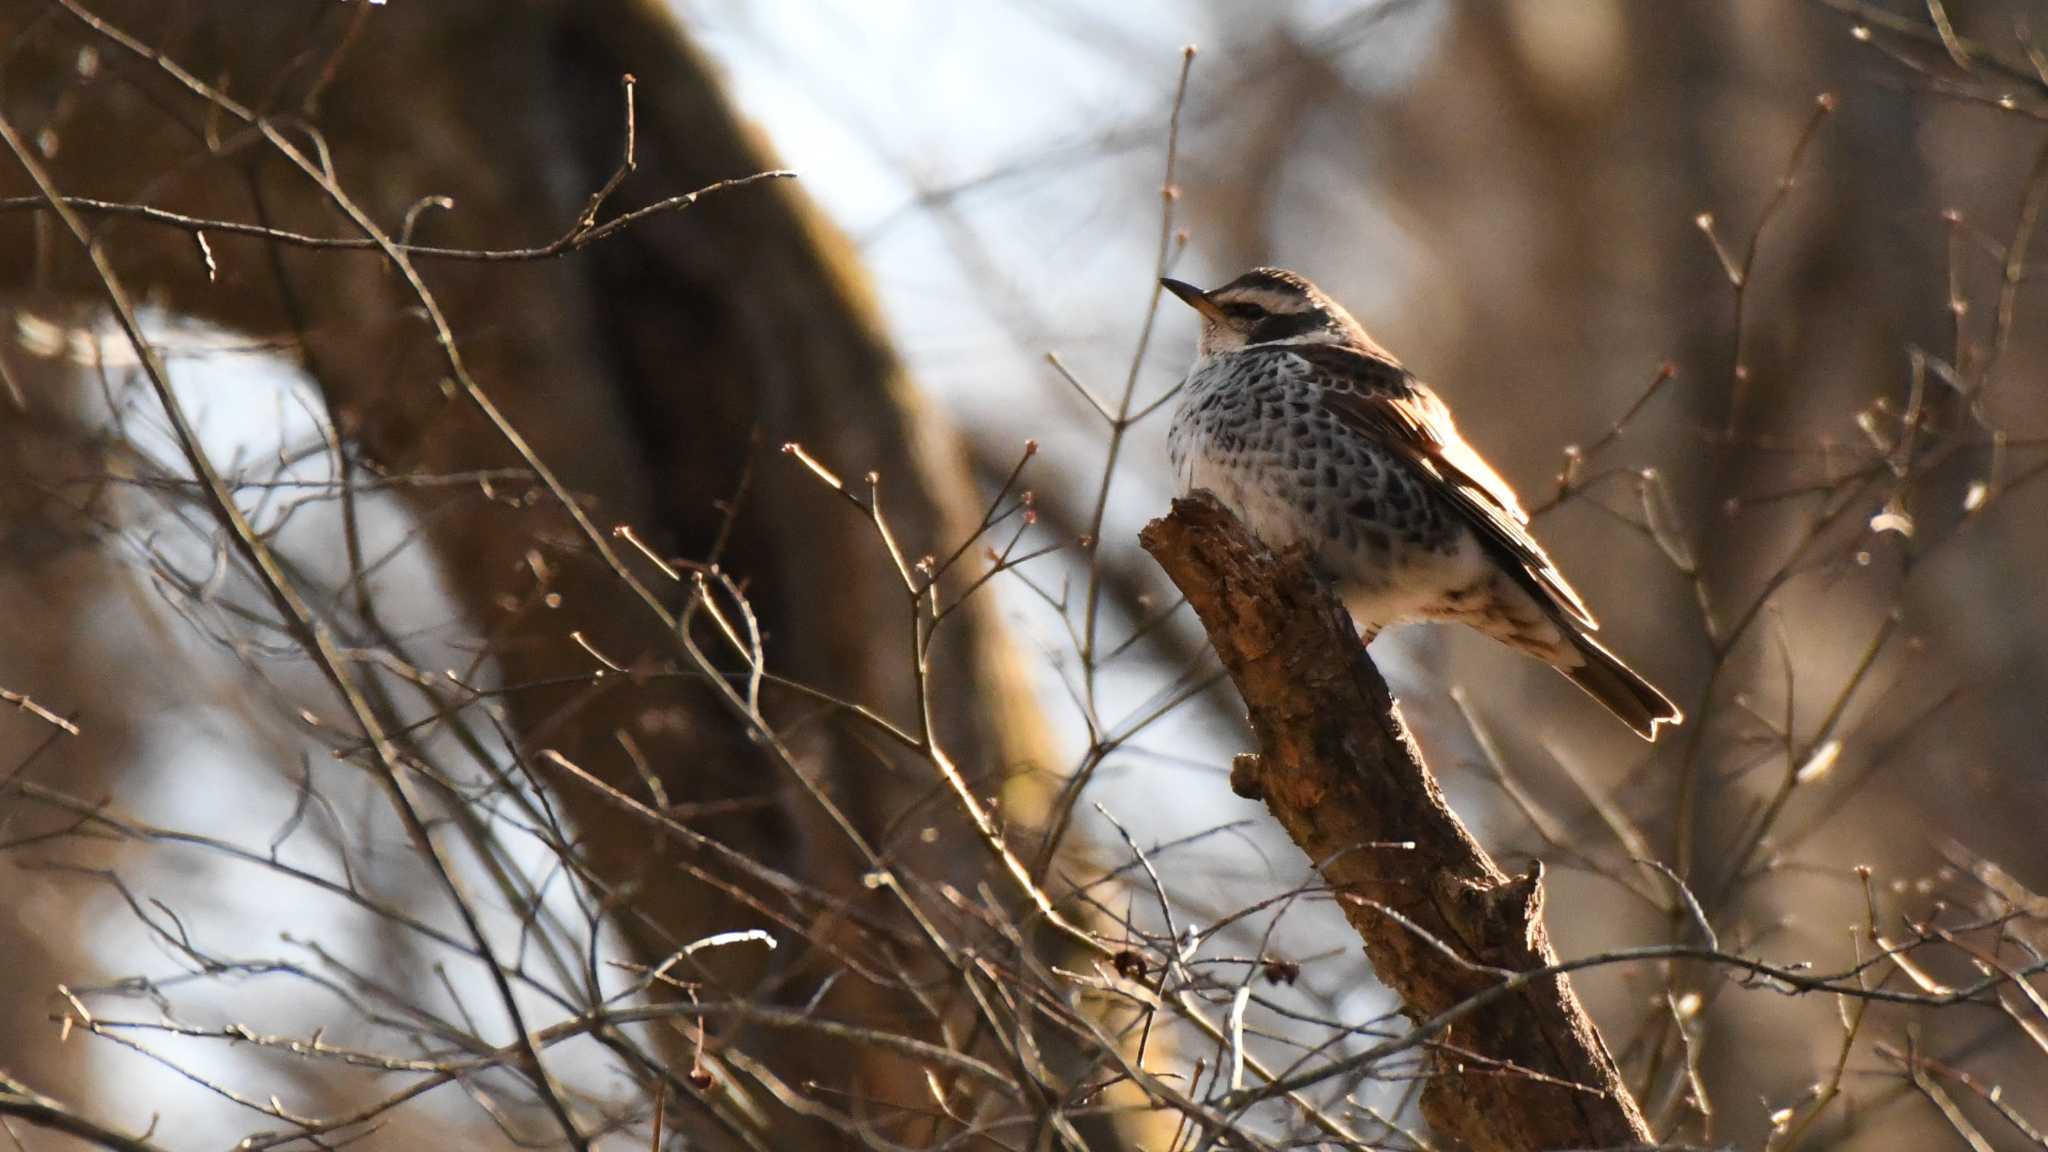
1194,298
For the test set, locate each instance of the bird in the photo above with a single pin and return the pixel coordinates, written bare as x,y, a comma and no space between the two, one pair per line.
1313,434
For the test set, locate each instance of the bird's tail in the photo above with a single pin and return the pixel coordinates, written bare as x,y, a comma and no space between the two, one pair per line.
1617,687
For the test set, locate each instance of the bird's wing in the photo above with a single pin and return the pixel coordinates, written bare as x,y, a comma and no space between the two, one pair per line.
1380,400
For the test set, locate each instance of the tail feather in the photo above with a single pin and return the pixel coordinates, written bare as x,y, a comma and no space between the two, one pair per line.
1616,686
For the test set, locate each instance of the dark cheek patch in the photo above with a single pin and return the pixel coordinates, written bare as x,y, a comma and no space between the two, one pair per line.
1284,327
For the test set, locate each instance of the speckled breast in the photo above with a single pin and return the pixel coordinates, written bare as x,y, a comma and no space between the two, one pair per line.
1251,429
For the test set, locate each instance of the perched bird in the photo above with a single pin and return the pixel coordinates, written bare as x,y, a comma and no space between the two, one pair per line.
1312,433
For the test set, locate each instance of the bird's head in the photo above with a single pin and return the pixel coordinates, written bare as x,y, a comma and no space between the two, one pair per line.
1270,307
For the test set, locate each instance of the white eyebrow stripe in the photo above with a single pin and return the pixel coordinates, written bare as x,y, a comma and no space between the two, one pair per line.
1280,303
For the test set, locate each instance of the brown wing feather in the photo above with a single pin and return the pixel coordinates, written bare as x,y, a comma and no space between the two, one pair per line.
1379,399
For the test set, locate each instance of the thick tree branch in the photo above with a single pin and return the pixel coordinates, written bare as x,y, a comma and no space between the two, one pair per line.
1440,922
19,1100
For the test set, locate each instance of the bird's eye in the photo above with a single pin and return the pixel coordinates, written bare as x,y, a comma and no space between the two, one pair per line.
1243,310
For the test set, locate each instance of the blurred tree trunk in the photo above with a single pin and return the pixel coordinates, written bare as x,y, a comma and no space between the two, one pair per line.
51,583
1586,139
653,371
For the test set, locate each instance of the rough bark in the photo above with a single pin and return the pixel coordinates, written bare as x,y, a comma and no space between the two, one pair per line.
1339,771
